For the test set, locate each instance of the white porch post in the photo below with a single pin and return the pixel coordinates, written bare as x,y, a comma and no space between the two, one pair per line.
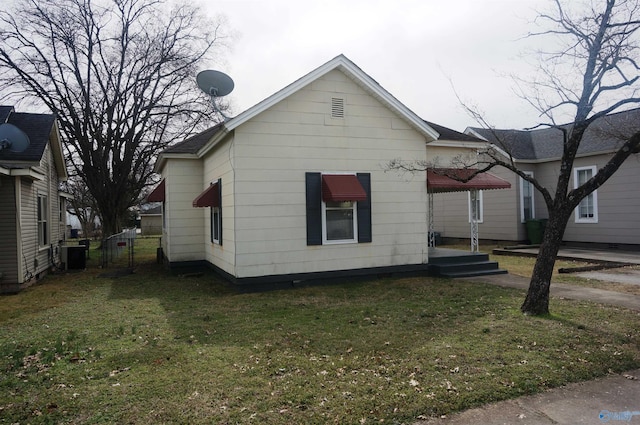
431,230
474,220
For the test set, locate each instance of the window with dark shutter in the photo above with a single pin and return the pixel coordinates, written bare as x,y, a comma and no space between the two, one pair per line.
314,208
338,208
364,210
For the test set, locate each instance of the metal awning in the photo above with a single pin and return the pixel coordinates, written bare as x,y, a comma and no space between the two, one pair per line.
342,187
210,197
157,194
438,180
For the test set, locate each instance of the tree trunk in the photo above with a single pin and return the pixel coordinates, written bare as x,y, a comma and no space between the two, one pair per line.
537,301
111,222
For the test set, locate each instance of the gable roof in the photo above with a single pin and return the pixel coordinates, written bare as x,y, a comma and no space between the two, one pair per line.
357,75
199,144
41,130
449,134
604,135
193,144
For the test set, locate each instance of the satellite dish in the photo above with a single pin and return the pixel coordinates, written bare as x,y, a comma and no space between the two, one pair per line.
215,84
12,138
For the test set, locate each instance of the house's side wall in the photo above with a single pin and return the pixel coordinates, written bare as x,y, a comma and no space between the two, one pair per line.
8,250
501,214
275,149
38,259
618,205
218,165
183,223
151,224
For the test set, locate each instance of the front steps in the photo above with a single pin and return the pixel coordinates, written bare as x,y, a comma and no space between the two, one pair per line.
452,263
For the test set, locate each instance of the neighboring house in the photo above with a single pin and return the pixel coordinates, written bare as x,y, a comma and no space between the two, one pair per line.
151,221
609,216
32,211
296,188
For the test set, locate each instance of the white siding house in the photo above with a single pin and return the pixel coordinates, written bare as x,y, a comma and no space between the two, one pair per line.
296,187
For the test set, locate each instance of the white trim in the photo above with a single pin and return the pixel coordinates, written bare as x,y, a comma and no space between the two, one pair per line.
45,217
325,241
215,224
358,76
593,195
65,195
533,204
459,144
480,204
27,172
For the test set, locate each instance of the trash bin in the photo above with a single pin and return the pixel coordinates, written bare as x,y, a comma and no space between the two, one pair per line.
535,230
74,233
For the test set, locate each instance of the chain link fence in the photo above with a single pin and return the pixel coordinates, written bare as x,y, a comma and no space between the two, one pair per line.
116,247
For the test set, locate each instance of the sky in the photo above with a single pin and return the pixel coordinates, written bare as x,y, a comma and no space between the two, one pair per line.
426,53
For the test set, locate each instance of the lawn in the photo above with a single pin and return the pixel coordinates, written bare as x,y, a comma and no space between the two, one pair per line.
151,347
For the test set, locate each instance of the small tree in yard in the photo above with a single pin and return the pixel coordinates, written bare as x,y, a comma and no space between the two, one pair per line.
592,73
119,75
82,205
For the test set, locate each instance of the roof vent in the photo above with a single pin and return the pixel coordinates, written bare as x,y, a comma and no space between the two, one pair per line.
337,107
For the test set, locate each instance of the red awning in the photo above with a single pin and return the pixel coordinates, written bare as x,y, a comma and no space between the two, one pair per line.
157,194
438,180
209,198
342,187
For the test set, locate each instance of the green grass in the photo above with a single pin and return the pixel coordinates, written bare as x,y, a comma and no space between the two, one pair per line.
156,348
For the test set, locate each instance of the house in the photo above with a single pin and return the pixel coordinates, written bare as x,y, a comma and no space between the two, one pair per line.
296,187
607,217
151,220
32,211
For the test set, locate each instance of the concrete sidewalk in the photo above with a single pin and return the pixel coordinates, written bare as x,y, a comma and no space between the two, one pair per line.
561,290
612,399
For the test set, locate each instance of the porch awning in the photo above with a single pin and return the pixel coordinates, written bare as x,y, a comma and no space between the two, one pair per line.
342,187
157,194
209,198
438,180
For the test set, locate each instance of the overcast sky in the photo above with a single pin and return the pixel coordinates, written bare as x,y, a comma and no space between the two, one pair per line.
418,50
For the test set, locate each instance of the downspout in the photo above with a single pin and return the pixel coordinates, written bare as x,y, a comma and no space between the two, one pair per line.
19,259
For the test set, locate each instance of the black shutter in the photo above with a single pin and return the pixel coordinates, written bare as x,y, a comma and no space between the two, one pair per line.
313,183
364,210
220,210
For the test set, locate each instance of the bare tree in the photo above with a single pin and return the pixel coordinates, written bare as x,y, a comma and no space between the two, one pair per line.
592,72
119,75
82,205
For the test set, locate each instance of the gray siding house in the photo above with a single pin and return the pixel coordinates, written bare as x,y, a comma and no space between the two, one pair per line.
32,209
608,217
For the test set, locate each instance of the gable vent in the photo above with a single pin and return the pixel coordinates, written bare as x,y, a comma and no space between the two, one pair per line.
337,107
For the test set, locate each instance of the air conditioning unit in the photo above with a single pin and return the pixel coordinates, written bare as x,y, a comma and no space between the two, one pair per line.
73,257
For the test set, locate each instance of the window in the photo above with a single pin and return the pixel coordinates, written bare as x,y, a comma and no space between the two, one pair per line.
339,221
338,208
216,224
527,205
43,218
212,197
475,209
587,210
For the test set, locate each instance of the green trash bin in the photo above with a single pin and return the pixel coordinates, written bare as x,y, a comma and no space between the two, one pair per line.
535,230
